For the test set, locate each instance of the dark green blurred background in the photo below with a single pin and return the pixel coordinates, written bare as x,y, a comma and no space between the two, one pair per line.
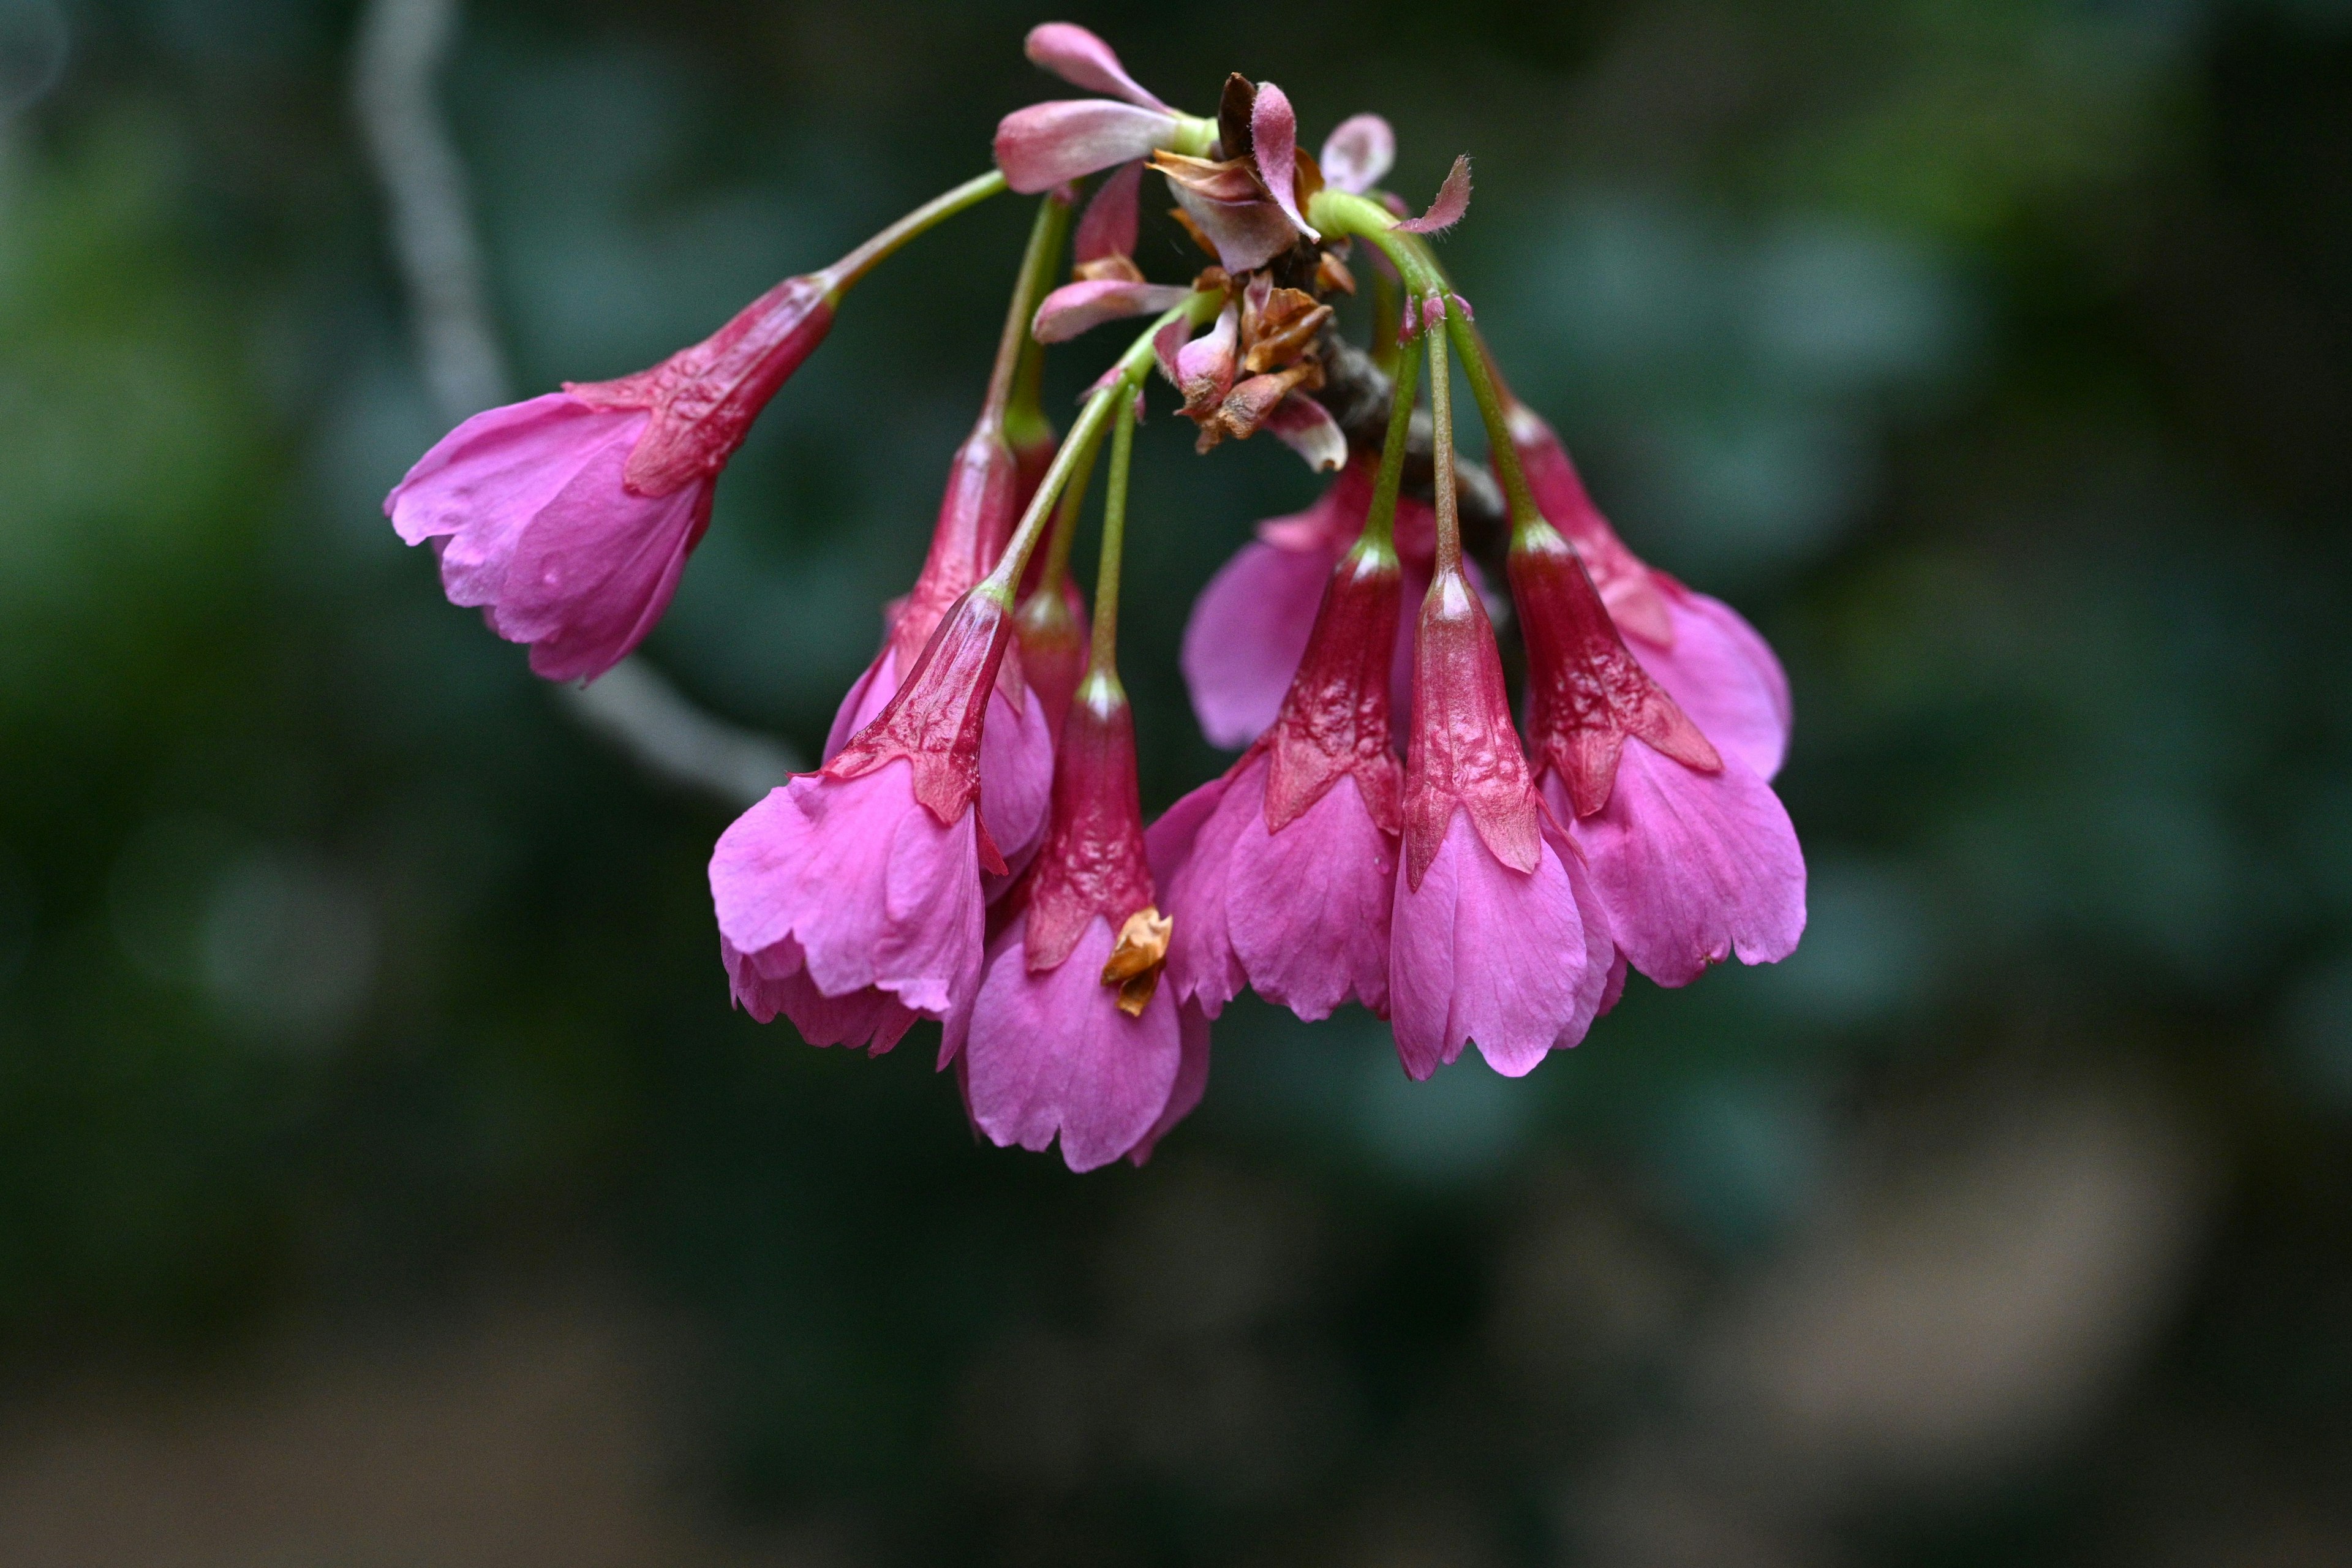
384,1180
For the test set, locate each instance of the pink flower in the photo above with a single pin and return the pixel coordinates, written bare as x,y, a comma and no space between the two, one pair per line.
1280,874
1250,625
1496,937
1712,662
1016,744
1692,854
1070,1035
567,518
850,899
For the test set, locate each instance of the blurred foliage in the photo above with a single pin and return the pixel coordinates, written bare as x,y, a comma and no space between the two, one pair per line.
1995,358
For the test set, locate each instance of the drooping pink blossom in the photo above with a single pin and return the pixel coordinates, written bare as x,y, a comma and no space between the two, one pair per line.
1716,666
1359,150
1055,1043
1692,854
850,899
1496,937
567,519
1251,622
1280,874
976,517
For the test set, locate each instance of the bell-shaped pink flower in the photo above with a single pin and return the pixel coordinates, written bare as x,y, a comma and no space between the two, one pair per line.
1070,1035
850,899
1495,936
1716,666
1250,625
1280,874
567,519
1692,853
1016,745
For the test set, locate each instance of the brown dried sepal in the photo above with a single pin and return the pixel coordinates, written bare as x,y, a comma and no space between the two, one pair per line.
1213,279
1330,273
1200,235
1279,330
1138,958
1233,106
1215,180
1114,269
1247,404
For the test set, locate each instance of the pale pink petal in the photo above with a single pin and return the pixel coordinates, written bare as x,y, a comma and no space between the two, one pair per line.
1604,966
1359,150
1247,235
862,881
1480,951
1191,1081
1191,854
1082,59
1076,307
480,483
1306,427
1453,201
1016,774
1309,907
872,1018
1050,1054
1693,866
1244,636
1274,143
1109,226
1045,144
1723,675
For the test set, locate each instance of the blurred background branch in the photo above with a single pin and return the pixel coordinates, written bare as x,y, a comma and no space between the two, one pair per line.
395,64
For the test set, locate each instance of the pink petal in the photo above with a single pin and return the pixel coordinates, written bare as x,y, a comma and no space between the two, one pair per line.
1480,951
1192,856
1204,367
1274,143
1724,675
1247,235
1109,226
482,482
1244,636
1191,1081
1309,907
1049,1054
867,697
1693,866
1453,201
1082,59
1044,144
1359,150
1306,427
1075,308
871,1018
1016,754
863,880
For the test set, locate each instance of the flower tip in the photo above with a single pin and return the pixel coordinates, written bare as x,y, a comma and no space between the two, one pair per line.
1453,201
1359,150
1081,58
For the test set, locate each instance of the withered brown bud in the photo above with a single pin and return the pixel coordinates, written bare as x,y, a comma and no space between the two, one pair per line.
1138,958
1234,140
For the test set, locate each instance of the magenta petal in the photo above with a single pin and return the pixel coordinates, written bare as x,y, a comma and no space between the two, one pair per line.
1192,856
1359,150
1049,1053
1722,673
1191,1081
1309,907
1274,143
1453,201
1244,636
1480,951
857,883
872,1018
482,483
1044,144
1017,773
868,696
1306,427
1693,866
1075,308
1109,226
1082,59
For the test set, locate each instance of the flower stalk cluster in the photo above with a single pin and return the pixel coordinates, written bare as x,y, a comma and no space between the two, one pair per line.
973,848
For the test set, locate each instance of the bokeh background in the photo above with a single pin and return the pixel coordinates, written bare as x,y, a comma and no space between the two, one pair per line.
384,1179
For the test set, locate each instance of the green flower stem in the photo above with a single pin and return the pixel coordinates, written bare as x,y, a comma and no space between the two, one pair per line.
1131,368
1502,452
1336,211
1441,408
1020,360
1102,659
930,214
1065,524
1380,524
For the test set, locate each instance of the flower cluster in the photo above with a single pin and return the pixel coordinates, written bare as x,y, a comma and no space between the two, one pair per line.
974,849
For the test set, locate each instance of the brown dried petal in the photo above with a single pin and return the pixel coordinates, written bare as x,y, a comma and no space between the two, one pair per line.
1137,959
1330,272
1114,267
